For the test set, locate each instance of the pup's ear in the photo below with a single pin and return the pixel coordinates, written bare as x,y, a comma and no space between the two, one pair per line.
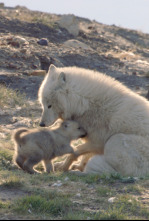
62,79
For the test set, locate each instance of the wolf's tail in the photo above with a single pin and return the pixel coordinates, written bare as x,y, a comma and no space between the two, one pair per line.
17,135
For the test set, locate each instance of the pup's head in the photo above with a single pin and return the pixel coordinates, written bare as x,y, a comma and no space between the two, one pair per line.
72,130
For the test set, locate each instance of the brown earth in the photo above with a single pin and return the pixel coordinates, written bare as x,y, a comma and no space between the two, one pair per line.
120,53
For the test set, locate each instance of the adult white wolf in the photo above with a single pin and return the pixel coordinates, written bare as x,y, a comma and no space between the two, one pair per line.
115,118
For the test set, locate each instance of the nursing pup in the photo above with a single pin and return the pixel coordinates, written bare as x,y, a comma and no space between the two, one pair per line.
36,145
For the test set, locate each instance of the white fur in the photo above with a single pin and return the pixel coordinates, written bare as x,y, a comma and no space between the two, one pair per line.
107,110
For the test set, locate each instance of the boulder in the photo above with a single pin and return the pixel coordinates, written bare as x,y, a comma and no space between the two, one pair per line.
73,43
70,23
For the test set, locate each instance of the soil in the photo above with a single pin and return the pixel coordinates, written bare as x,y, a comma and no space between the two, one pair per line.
121,53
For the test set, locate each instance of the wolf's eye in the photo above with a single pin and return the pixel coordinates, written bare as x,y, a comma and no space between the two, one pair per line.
49,106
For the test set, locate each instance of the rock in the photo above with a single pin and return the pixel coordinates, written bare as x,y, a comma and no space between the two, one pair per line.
128,180
77,44
38,73
17,41
70,23
43,42
66,179
112,199
147,74
58,184
78,195
2,5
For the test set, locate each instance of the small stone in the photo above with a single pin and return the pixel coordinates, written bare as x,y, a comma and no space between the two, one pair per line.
134,73
66,179
38,73
43,42
58,184
112,199
17,41
78,195
29,211
73,43
147,74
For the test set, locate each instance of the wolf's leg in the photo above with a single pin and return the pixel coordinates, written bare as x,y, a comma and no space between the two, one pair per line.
48,166
80,150
98,165
128,154
82,163
64,165
95,165
30,163
124,154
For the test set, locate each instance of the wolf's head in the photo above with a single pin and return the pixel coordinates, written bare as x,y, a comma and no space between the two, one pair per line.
58,97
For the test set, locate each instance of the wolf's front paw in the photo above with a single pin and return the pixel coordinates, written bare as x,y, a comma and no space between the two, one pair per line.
77,167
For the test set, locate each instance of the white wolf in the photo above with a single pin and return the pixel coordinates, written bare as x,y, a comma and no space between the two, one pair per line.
115,118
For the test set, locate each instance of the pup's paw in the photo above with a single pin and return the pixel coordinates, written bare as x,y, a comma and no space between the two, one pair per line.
58,166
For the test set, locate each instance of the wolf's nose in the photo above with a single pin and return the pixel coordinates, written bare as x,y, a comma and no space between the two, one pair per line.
83,135
42,125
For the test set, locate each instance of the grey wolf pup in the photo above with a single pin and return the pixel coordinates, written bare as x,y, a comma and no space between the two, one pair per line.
36,145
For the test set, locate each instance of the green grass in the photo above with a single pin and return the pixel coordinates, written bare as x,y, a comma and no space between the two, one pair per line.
5,159
10,98
34,17
37,198
132,206
135,189
46,20
4,205
78,216
44,202
111,214
37,204
12,182
104,191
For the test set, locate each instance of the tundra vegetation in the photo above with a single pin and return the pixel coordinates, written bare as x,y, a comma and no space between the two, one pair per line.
63,196
118,52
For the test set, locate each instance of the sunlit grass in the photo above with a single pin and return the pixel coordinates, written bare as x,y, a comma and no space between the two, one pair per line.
10,98
37,204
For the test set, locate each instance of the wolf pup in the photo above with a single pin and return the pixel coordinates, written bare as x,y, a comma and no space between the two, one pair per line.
33,146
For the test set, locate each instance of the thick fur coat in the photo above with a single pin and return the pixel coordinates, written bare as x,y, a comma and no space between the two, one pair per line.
115,118
35,145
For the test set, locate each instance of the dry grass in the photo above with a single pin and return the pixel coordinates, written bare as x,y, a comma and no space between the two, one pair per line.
63,196
10,98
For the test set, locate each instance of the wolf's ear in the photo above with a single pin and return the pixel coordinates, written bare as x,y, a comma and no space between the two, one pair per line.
52,72
52,67
62,79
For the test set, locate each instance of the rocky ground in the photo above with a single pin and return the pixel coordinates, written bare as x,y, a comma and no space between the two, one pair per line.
121,53
24,61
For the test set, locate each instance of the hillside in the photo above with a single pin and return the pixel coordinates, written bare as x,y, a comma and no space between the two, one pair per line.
29,42
121,53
